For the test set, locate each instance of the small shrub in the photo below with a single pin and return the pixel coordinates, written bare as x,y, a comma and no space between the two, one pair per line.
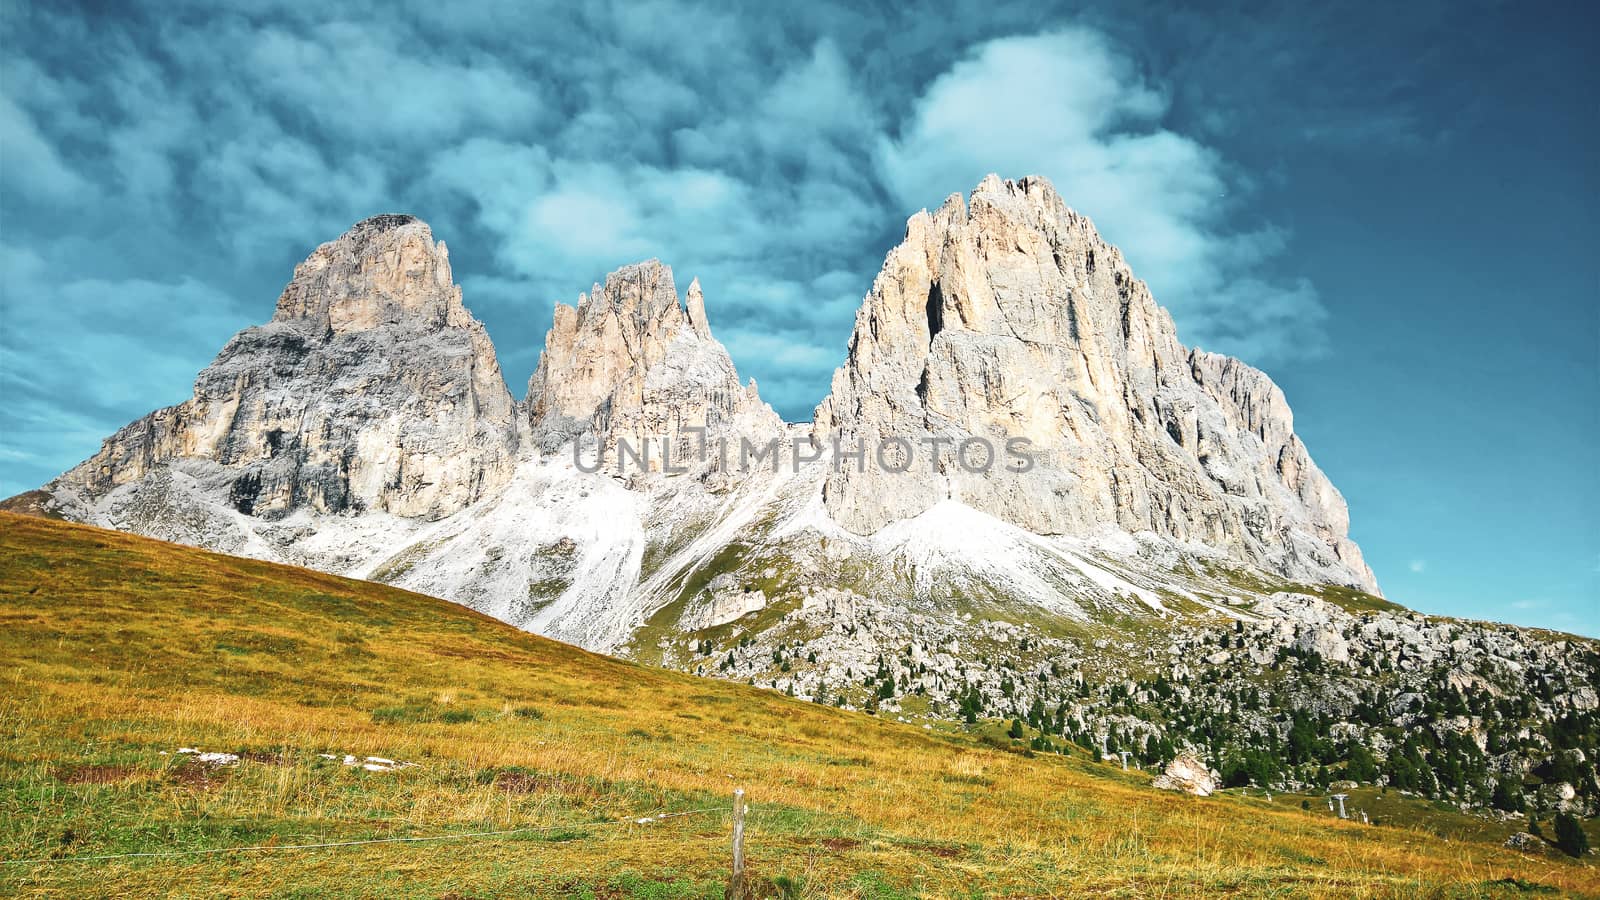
1569,835
415,712
1523,886
1506,797
390,715
789,888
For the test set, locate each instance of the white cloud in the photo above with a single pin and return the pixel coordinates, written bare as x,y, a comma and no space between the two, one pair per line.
1073,107
768,201
33,168
272,190
114,346
372,83
1418,566
786,354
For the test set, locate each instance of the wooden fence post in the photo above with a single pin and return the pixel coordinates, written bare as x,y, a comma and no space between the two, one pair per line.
736,880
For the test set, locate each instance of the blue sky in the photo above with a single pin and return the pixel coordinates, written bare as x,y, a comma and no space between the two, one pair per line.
1391,210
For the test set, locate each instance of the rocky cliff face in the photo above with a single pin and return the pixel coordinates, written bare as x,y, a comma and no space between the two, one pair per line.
631,361
372,388
564,549
1007,316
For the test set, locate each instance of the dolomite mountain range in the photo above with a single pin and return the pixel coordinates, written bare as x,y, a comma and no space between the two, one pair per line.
1172,580
1172,548
367,429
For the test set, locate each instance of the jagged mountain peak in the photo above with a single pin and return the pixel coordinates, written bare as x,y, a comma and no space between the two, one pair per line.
1002,314
633,359
1006,315
371,389
385,270
643,290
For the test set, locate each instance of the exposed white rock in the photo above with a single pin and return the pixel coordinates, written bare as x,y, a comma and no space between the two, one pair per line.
372,389
631,362
723,601
1188,774
1006,316
369,763
210,757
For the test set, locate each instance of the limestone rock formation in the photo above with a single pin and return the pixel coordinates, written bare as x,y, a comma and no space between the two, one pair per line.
1188,774
631,361
1007,316
372,388
583,551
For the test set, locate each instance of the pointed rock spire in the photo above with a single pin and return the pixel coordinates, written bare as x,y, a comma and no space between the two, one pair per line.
696,302
630,361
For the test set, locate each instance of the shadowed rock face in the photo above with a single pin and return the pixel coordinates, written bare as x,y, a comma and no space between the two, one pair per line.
1008,316
371,388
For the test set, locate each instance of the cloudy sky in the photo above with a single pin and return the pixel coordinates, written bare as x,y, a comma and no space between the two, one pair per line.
1391,210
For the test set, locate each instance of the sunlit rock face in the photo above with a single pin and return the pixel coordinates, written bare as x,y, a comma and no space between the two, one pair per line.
1005,315
367,430
372,388
632,362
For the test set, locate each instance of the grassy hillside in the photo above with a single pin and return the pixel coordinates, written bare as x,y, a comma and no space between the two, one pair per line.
117,651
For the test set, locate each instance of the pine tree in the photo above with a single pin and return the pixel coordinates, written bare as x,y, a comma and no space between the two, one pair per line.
1359,765
1569,835
1016,730
1506,797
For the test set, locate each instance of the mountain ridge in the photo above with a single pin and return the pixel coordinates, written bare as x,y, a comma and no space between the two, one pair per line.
634,361
298,412
1172,553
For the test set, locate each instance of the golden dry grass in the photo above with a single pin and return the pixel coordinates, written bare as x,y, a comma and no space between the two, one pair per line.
117,650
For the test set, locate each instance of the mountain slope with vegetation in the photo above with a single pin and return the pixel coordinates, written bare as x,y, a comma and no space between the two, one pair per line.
343,710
